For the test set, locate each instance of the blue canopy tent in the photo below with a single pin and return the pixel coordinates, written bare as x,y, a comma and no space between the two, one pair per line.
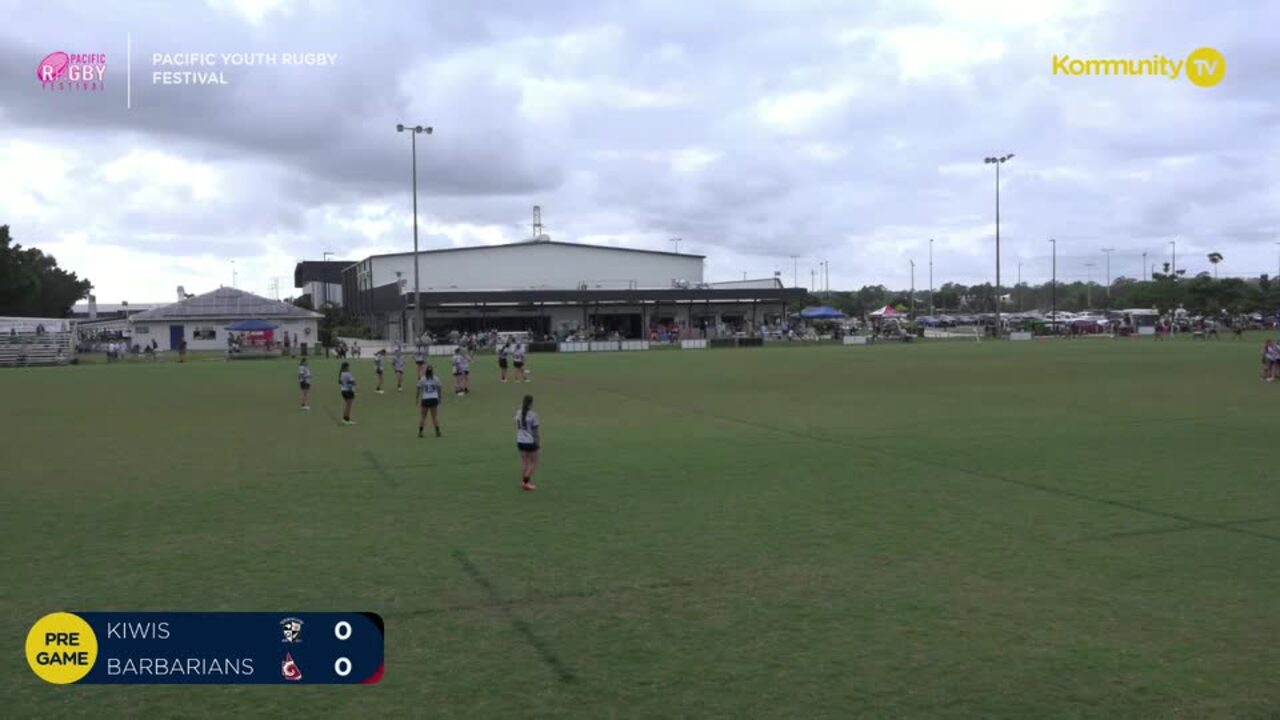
252,326
821,313
255,338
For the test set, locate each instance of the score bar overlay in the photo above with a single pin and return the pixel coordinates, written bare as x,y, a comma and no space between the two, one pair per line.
207,648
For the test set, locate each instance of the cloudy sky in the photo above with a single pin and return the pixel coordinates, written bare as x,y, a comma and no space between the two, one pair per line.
851,132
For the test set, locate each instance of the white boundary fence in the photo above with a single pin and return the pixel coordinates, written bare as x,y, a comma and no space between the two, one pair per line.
693,344
568,347
855,339
1021,335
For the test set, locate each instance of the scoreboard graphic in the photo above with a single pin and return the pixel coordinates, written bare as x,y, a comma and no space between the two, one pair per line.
207,648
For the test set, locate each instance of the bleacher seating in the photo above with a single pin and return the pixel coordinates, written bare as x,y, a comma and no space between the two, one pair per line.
24,349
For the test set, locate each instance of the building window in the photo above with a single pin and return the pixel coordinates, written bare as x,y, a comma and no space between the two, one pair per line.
141,330
204,333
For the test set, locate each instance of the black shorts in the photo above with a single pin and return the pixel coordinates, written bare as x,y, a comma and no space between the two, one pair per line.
502,363
348,395
420,362
527,447
519,365
304,385
379,372
430,402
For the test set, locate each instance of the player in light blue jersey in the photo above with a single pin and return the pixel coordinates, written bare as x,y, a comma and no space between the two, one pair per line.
528,442
397,364
430,393
461,372
377,368
517,358
347,382
304,382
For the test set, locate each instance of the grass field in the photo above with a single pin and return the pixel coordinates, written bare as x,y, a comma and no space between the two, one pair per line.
997,530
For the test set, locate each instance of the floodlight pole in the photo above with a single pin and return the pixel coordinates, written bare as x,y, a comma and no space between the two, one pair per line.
1107,252
998,161
913,288
1054,286
417,298
932,310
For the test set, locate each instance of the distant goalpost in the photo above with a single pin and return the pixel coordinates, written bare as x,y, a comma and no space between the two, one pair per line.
957,333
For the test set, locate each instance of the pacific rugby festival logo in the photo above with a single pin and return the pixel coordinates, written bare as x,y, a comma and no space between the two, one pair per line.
62,71
1204,66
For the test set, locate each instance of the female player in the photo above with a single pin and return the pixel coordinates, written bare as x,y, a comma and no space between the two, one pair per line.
377,368
397,364
517,358
461,371
304,382
420,357
429,391
1270,360
503,353
347,382
528,442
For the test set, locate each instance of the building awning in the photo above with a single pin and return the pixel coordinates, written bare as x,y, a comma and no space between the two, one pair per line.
252,326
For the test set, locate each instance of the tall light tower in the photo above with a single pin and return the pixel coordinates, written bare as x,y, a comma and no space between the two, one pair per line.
913,287
1144,275
1107,252
1019,286
998,161
324,282
1053,293
414,132
932,310
1088,287
676,242
1173,259
795,265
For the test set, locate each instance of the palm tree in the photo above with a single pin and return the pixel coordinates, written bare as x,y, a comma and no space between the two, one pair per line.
1215,258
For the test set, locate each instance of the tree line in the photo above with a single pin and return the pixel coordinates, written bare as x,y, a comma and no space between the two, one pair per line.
32,284
1201,294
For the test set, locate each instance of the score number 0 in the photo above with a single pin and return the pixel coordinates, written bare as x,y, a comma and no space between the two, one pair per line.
342,631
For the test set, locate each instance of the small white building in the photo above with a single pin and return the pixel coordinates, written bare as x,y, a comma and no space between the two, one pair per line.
202,321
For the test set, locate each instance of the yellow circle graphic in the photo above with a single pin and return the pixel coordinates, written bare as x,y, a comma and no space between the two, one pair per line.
61,648
1206,67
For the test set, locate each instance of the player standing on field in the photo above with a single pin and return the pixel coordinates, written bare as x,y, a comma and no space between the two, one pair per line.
420,357
347,382
528,442
503,353
430,391
304,382
461,372
397,364
518,359
377,368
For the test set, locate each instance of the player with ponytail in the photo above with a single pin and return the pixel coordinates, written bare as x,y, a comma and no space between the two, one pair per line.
528,442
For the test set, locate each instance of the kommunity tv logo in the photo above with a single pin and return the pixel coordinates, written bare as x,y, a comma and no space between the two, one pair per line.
1204,67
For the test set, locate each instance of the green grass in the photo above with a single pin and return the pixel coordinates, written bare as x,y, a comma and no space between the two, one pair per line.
1034,530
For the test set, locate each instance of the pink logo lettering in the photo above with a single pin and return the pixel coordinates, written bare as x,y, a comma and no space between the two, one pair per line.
53,67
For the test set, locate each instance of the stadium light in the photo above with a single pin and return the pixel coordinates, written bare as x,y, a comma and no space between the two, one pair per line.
414,132
1054,291
998,161
1107,252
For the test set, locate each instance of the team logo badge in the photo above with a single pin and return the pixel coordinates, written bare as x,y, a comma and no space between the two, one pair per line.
292,630
289,669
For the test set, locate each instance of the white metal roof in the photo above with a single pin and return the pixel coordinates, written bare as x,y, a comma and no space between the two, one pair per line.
225,303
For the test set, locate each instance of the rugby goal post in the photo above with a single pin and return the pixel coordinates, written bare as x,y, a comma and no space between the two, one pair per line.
973,333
